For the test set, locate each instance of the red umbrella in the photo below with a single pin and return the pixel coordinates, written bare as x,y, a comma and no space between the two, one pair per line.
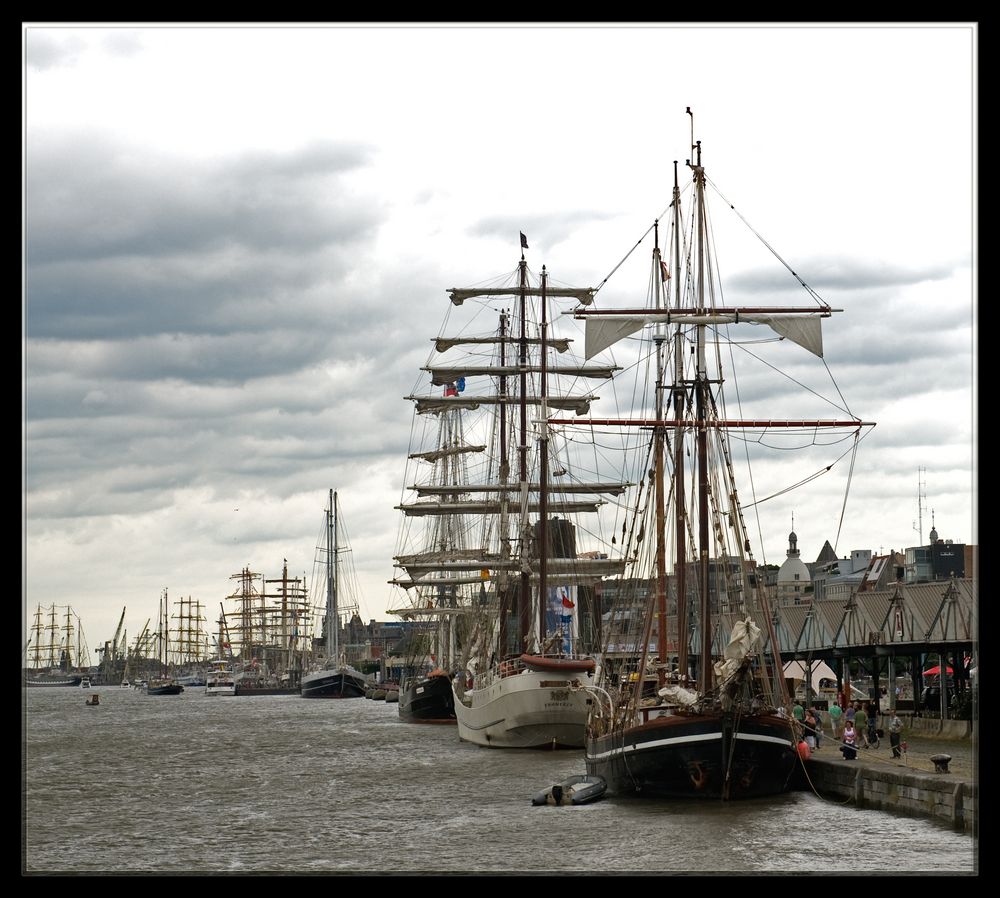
936,671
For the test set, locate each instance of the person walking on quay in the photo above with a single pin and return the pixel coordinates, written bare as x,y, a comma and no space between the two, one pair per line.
872,736
818,714
809,725
835,712
861,725
850,742
895,733
797,711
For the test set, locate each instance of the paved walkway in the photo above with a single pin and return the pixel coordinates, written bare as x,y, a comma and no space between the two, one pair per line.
964,754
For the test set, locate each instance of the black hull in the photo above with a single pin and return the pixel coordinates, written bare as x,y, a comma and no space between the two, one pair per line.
688,756
333,684
428,701
266,690
164,690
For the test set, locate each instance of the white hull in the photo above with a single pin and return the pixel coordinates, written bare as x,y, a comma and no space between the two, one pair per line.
220,689
529,709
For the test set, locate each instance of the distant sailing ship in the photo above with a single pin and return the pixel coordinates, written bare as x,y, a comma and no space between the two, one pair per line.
56,650
336,678
163,683
267,636
438,601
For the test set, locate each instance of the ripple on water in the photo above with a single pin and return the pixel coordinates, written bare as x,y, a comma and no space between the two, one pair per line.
276,783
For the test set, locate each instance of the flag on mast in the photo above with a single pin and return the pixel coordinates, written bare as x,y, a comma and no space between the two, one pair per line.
524,241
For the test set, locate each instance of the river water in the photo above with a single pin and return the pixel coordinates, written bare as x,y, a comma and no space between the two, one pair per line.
212,784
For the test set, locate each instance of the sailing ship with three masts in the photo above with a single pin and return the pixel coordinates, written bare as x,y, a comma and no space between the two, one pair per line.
56,650
438,601
672,721
335,678
500,563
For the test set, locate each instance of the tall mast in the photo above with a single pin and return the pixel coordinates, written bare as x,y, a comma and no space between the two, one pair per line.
332,619
701,412
504,476
524,594
69,640
680,561
543,477
658,446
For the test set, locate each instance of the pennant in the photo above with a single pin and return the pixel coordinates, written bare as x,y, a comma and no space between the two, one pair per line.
524,241
450,390
567,602
460,385
664,274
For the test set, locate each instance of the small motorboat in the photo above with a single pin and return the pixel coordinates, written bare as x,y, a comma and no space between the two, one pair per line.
94,699
575,790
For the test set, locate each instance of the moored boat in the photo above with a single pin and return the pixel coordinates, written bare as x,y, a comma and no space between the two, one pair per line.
220,679
715,722
336,678
573,790
428,699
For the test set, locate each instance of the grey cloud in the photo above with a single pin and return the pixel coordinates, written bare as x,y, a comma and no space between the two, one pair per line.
824,273
85,200
51,48
545,229
123,42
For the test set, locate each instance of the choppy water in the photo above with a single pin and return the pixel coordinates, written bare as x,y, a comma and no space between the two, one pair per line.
197,783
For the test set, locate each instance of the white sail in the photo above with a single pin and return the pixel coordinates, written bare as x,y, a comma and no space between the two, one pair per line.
805,330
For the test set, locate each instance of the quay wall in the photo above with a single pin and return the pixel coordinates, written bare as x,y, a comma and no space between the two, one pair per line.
911,792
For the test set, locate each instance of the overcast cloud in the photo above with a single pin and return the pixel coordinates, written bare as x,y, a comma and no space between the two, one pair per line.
233,273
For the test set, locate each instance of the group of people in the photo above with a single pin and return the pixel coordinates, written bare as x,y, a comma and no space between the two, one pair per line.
859,728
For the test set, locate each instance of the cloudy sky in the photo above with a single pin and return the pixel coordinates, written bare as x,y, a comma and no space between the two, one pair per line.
237,242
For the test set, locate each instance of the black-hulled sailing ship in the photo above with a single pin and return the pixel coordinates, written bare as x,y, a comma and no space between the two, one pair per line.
436,603
336,678
673,721
163,683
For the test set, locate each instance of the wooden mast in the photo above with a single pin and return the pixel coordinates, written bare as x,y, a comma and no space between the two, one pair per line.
701,413
680,533
659,441
543,478
503,590
524,593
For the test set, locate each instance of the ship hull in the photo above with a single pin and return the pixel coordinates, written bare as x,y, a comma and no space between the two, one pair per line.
429,700
52,682
167,689
340,683
688,756
528,709
245,689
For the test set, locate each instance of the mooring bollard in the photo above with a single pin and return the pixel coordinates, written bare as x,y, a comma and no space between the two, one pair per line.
941,763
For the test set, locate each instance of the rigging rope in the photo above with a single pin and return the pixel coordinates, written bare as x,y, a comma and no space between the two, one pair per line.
819,300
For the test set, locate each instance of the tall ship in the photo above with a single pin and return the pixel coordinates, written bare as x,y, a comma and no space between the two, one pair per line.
163,682
56,651
335,678
502,561
267,636
693,700
437,602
